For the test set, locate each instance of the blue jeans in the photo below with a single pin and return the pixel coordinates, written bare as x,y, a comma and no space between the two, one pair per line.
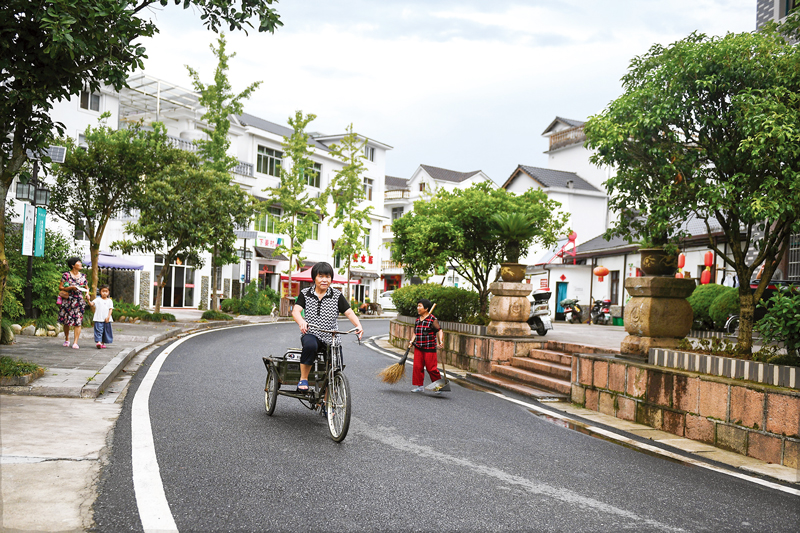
103,333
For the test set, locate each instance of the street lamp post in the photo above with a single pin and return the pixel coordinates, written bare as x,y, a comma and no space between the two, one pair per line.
37,194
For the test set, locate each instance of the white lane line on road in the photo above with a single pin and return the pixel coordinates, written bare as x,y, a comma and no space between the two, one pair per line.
650,448
389,438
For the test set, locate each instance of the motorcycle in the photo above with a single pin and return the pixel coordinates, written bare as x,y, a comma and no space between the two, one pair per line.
539,320
572,310
601,312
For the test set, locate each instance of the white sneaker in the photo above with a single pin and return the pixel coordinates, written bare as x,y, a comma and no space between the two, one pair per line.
418,389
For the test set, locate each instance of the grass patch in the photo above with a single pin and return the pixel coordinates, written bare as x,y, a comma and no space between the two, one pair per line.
14,367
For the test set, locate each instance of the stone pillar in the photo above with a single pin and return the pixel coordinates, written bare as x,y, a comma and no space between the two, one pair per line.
657,315
205,292
145,298
509,310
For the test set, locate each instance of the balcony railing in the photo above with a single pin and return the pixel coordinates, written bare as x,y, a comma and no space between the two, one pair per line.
391,265
567,137
387,229
397,194
242,168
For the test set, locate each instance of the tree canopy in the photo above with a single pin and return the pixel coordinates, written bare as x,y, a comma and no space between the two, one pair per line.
457,228
50,51
710,126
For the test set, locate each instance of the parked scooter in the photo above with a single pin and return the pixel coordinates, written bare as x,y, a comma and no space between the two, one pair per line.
572,310
539,321
601,312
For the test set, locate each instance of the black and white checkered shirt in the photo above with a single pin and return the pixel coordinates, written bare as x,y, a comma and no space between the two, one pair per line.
322,313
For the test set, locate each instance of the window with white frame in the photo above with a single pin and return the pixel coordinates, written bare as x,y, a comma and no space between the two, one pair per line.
268,161
369,152
266,221
314,233
368,188
90,101
313,174
366,240
397,212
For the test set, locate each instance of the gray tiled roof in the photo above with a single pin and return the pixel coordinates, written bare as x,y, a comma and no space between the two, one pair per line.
393,183
557,178
277,129
568,121
448,175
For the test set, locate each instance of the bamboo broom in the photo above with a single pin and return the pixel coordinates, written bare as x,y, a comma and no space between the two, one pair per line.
394,373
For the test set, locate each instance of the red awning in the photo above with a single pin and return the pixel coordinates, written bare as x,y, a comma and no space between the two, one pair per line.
305,275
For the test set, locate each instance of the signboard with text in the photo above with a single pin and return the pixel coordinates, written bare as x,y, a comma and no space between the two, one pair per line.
28,229
38,242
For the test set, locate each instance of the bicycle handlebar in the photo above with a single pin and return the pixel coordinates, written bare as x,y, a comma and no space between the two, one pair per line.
336,332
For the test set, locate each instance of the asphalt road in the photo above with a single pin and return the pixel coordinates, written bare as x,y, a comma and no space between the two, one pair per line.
465,461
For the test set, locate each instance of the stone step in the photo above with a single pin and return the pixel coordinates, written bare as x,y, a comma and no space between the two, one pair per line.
531,378
546,368
550,355
519,388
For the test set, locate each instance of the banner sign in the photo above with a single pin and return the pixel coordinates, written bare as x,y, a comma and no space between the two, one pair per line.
247,272
38,247
28,229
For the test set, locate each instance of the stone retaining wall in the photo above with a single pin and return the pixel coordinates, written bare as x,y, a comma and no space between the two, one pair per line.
756,420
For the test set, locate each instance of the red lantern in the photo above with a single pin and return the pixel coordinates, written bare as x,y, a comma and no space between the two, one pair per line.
705,277
572,236
681,260
600,272
708,259
678,275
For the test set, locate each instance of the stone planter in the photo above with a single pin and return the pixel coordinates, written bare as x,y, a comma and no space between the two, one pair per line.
512,272
656,262
657,315
509,310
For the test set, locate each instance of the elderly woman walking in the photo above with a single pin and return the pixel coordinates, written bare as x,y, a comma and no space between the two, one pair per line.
73,305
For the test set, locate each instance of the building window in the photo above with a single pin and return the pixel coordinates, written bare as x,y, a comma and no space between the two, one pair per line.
90,101
614,296
369,153
268,161
397,212
313,174
314,234
268,220
366,240
79,234
337,260
793,270
368,188
422,187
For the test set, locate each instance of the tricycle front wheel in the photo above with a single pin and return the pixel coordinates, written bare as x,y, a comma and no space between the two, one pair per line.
271,390
337,406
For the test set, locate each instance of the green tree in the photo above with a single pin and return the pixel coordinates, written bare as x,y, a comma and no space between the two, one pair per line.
53,50
174,218
457,228
220,103
301,210
347,190
710,126
95,183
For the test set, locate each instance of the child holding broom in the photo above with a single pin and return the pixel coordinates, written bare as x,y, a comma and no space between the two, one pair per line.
427,336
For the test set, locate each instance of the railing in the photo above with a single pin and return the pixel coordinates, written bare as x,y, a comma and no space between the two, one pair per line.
567,137
459,327
245,169
242,168
387,228
391,265
397,194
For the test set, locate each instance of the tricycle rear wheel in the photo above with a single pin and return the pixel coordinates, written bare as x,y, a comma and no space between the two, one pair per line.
271,390
337,406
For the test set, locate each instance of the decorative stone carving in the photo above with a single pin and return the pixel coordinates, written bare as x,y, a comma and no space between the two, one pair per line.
145,286
205,288
657,315
509,310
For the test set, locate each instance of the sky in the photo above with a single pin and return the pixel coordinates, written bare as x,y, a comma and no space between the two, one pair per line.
458,84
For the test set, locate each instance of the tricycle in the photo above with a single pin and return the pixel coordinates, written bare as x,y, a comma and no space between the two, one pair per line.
328,392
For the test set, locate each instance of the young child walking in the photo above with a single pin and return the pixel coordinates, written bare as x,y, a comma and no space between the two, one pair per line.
102,318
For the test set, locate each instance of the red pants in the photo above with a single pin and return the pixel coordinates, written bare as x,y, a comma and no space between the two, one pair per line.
424,361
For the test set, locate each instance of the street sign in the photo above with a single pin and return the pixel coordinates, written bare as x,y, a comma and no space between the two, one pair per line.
38,243
28,226
247,272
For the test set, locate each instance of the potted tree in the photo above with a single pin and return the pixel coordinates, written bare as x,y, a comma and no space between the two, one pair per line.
515,231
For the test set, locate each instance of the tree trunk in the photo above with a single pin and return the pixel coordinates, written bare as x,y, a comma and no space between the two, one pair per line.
214,280
94,254
161,277
4,267
746,318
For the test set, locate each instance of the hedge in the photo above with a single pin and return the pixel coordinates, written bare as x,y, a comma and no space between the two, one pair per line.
452,304
724,305
701,300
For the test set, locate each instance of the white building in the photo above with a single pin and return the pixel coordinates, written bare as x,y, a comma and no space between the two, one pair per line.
257,144
399,199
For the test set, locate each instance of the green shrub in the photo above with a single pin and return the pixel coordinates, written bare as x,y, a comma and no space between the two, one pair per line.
231,305
701,300
6,333
16,367
216,315
254,301
781,324
723,306
159,317
452,304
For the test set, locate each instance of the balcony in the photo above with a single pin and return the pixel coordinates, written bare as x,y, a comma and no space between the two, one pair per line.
391,267
567,138
242,168
386,232
397,194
